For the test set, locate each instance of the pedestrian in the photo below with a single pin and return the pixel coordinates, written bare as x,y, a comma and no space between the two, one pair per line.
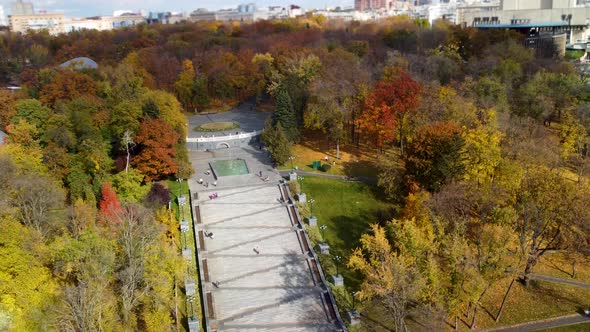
215,183
260,173
201,181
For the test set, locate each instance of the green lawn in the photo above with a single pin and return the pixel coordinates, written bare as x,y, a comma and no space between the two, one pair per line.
347,209
217,126
178,189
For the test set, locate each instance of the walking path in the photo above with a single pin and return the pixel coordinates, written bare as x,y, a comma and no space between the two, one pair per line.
570,282
364,179
544,324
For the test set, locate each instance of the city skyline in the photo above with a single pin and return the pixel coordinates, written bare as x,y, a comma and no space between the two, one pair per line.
83,8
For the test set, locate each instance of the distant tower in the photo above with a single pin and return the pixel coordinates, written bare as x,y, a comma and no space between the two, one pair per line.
21,8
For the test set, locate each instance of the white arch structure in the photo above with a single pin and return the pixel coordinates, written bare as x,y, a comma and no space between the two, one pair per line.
219,141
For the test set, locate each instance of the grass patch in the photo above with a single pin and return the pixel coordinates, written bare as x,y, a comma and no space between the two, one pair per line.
541,300
347,209
184,212
354,161
574,54
217,126
559,264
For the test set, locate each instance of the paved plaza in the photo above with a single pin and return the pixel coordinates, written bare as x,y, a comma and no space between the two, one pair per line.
248,119
257,274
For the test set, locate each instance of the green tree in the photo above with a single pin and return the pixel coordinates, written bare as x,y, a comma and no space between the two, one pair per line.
433,157
129,186
276,141
33,111
285,115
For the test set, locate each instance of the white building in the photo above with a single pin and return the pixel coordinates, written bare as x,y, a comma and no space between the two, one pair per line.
346,14
437,10
571,17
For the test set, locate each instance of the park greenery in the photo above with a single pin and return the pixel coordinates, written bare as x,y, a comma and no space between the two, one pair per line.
217,126
478,145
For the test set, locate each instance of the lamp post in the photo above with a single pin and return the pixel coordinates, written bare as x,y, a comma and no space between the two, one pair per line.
292,158
184,239
300,179
311,201
323,230
353,298
190,300
337,260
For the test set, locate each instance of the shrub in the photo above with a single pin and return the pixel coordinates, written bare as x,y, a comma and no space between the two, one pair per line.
294,187
325,167
158,195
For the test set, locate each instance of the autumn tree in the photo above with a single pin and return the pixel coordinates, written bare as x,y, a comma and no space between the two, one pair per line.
433,157
36,197
549,213
392,280
7,108
156,141
67,85
388,106
334,96
109,203
184,85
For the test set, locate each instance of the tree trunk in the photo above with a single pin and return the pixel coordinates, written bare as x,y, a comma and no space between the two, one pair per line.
474,316
127,164
401,136
176,304
456,323
504,300
338,149
573,269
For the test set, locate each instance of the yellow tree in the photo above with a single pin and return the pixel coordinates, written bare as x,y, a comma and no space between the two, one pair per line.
184,85
481,150
392,280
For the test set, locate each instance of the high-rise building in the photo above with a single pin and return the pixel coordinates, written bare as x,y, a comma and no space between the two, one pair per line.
362,5
19,7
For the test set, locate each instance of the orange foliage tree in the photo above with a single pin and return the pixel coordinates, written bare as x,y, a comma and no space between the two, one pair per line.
156,139
109,203
67,85
387,106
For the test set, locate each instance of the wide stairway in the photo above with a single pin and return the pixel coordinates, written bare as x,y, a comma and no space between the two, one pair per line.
259,275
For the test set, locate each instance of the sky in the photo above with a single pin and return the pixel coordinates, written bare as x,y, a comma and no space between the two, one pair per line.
82,8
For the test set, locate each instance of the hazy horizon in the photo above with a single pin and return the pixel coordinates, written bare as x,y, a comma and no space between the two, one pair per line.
85,8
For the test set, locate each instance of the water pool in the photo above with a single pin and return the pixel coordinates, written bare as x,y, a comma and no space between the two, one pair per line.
229,167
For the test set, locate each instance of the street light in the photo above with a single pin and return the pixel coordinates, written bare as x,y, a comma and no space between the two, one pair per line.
353,296
337,260
311,201
292,158
300,179
190,300
323,230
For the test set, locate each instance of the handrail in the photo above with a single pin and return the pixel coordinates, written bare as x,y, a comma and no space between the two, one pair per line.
214,138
